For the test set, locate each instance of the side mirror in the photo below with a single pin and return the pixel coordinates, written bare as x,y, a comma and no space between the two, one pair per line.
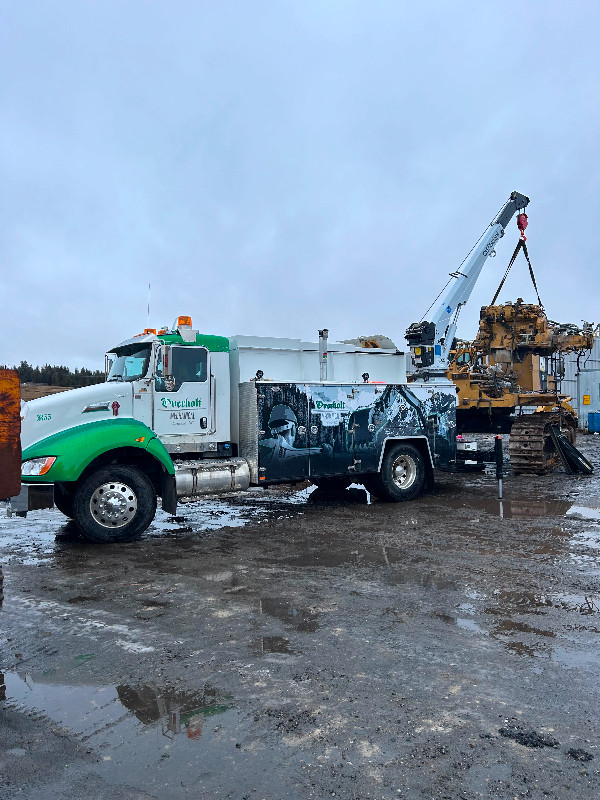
167,361
109,360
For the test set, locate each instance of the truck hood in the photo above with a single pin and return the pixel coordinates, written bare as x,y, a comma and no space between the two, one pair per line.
58,412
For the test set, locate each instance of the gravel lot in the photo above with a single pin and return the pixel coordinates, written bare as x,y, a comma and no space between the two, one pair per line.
278,644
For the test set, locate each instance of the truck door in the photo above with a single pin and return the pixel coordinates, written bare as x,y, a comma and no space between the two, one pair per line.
283,451
182,391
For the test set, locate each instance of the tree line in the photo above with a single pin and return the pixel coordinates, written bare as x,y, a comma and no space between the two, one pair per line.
57,375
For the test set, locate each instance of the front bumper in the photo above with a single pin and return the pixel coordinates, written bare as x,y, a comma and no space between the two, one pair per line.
32,497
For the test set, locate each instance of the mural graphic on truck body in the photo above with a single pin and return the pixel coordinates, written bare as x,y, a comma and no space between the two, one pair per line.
319,430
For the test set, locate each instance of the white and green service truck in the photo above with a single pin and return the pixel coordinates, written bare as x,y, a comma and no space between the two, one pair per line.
184,414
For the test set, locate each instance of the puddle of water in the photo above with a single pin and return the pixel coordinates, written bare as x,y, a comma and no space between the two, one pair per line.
576,659
445,617
335,555
519,602
589,539
303,619
586,604
501,632
522,649
149,737
470,625
509,627
32,540
235,511
272,644
584,512
510,508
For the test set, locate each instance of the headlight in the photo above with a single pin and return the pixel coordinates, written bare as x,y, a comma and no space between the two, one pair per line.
37,466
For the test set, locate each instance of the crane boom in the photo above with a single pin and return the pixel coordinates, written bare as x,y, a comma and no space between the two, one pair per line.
430,342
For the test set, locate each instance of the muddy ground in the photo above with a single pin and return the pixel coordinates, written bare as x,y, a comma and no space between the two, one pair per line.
274,645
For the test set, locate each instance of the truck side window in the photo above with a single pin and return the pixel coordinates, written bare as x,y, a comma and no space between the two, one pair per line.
189,365
159,381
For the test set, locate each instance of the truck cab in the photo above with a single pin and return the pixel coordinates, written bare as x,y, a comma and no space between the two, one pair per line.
179,383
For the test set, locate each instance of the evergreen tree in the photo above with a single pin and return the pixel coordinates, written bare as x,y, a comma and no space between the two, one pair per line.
56,375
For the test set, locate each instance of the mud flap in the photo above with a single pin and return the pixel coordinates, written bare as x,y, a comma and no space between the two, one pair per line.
168,493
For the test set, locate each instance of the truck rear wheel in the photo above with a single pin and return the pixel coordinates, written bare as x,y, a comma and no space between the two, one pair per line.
114,504
402,475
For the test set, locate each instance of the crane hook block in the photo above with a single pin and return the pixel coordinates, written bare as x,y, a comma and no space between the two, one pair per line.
522,224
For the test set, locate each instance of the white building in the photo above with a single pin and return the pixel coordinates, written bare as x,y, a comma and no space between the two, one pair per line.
582,382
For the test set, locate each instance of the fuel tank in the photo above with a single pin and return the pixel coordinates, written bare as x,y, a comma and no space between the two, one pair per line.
211,476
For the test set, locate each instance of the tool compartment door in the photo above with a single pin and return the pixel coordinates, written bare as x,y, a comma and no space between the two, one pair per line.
331,441
283,451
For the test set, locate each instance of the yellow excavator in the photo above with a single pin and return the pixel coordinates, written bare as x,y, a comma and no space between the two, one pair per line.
514,365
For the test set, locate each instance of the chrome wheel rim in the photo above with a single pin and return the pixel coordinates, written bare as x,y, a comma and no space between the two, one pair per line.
404,472
113,504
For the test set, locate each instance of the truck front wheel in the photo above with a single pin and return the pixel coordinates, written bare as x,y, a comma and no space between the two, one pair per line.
402,475
114,504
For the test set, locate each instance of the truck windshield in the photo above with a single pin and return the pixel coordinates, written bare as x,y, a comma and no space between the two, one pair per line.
131,363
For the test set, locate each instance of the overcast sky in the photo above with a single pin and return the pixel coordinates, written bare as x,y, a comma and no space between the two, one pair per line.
275,167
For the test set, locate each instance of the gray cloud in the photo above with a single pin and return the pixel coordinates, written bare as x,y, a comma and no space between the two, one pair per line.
274,167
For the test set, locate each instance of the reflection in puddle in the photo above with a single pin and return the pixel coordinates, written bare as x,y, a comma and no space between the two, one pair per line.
584,546
587,539
522,649
382,556
522,508
509,627
576,659
538,639
520,637
537,644
149,737
469,625
334,554
513,601
90,711
354,495
584,512
303,619
272,644
175,711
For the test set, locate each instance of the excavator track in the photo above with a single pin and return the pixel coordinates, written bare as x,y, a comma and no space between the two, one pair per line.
530,446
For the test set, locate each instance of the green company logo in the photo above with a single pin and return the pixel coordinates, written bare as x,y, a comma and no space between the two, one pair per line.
168,403
320,405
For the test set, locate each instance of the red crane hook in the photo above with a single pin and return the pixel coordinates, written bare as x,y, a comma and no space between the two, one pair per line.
522,224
